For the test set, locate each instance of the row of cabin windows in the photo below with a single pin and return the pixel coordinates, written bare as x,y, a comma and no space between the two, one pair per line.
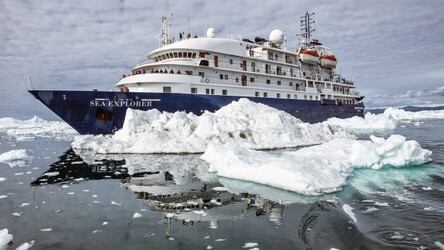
175,55
209,91
278,95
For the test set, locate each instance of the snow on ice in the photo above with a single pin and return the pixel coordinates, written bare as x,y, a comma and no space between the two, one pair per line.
313,170
255,125
15,157
5,238
35,127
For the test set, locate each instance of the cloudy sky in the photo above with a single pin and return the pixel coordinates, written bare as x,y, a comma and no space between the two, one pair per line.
394,50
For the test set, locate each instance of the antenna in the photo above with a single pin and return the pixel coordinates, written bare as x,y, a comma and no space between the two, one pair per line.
229,23
307,28
165,32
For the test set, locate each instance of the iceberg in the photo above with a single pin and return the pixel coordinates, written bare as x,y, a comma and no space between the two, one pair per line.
35,127
313,170
253,125
371,123
400,114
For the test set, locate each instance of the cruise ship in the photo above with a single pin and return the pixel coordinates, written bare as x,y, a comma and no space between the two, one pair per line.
198,74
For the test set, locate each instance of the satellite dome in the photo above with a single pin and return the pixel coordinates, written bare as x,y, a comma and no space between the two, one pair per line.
211,32
276,36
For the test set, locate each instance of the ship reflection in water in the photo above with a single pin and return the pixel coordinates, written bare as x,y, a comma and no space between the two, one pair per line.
181,187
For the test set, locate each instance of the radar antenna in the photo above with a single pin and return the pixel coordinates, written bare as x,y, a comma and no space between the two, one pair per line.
307,22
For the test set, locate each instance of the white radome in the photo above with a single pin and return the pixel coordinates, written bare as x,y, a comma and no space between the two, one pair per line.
276,36
211,33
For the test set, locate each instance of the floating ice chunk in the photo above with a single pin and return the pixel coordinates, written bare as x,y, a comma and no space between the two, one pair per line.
3,196
15,157
5,238
255,125
370,209
334,248
330,163
16,214
369,124
136,215
400,114
50,174
439,245
24,204
349,211
381,204
2,179
36,127
250,245
209,247
46,229
104,223
220,189
26,245
427,188
219,240
169,215
116,203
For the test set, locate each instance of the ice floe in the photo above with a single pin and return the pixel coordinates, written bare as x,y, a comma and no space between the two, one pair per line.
5,238
313,170
15,157
256,125
26,245
371,123
400,114
137,215
36,127
349,211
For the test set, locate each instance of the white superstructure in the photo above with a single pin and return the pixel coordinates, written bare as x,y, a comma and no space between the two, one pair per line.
219,66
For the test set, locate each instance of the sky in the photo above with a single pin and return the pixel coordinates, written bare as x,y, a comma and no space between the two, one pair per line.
393,50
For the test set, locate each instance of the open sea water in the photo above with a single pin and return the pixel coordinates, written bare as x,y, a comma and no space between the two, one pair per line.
64,199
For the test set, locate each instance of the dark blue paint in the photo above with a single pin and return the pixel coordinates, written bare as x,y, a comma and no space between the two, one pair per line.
75,109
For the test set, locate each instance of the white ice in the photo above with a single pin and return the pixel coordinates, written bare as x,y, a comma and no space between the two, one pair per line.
400,114
35,127
349,211
250,245
252,124
136,215
26,245
15,157
5,238
313,170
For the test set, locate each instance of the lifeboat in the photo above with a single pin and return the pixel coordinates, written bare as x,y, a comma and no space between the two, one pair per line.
309,56
328,61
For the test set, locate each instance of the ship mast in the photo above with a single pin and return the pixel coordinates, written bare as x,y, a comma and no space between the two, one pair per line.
307,28
164,32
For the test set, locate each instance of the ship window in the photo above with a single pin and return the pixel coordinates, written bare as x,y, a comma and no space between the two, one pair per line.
290,84
310,84
278,82
212,91
226,77
224,92
244,80
203,63
216,61
305,97
231,61
268,81
316,97
168,56
267,69
201,74
288,96
180,54
279,70
311,97
193,90
207,91
295,96
189,54
202,54
163,57
252,79
221,76
253,66
194,55
265,94
237,79
256,94
166,89
278,95
175,54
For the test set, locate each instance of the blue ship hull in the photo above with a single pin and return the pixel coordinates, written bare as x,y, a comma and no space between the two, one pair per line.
103,112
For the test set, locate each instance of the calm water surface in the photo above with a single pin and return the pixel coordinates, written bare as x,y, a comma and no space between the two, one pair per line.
71,200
